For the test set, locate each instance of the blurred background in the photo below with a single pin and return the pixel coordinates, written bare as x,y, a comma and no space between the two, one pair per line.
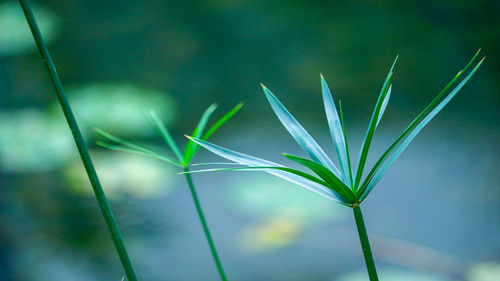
434,217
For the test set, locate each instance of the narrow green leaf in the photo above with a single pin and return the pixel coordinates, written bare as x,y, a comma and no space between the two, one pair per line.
306,142
336,130
215,163
285,169
324,173
160,126
346,143
373,180
371,128
112,138
148,153
384,104
197,133
257,162
414,123
221,121
126,146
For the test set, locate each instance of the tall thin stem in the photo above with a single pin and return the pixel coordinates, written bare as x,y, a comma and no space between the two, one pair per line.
205,225
80,144
365,244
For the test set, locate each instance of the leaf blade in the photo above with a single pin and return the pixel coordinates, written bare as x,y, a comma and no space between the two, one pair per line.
363,155
325,174
285,169
144,153
346,143
197,133
160,126
414,123
335,130
126,146
114,139
384,104
303,138
417,128
248,160
221,121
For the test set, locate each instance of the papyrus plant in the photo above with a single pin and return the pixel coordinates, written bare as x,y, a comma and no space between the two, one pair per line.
181,160
345,185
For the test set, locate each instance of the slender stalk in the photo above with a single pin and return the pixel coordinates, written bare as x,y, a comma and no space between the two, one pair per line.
80,144
205,225
365,244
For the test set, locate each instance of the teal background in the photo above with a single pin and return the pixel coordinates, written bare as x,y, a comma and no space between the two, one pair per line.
434,216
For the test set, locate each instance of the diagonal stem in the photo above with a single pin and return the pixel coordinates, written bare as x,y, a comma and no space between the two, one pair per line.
80,144
365,244
204,225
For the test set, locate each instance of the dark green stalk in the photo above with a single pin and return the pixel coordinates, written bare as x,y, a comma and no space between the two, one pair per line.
204,225
80,144
365,244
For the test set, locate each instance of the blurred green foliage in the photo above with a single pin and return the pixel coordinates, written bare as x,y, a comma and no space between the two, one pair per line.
119,108
15,34
30,141
123,175
36,140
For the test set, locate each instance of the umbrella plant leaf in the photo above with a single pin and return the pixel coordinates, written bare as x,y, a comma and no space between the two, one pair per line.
215,163
124,145
285,169
373,180
221,121
160,126
371,128
197,133
114,139
325,174
303,138
140,152
336,130
346,142
384,104
414,123
233,155
257,162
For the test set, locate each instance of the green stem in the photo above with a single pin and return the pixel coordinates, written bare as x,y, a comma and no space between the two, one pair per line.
80,144
205,225
365,244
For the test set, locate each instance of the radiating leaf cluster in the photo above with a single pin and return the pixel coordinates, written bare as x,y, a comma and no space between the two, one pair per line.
179,159
342,185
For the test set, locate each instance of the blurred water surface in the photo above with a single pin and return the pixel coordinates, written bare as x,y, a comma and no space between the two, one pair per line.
434,216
